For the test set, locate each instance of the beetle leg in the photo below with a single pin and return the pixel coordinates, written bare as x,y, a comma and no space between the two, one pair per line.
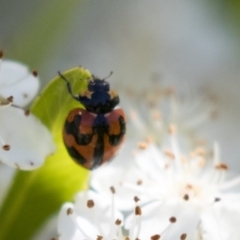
68,86
115,139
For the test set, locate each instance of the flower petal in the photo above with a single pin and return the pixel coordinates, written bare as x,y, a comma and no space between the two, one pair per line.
16,80
81,222
25,141
155,220
6,177
221,221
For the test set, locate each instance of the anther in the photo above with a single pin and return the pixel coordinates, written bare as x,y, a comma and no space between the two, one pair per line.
10,99
186,197
170,91
34,73
118,222
149,139
156,115
6,147
136,199
138,210
169,154
112,189
183,236
139,182
90,203
172,129
172,219
222,166
1,54
155,237
189,186
99,238
217,199
69,211
27,112
142,145
201,162
200,151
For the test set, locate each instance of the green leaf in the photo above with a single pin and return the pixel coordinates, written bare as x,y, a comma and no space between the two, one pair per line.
36,195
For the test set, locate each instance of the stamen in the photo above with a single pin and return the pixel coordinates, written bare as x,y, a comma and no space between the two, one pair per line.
112,189
119,229
176,152
99,237
90,205
136,120
231,183
138,213
72,215
136,222
172,220
216,154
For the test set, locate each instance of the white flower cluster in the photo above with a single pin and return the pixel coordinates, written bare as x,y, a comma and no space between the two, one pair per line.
22,146
178,192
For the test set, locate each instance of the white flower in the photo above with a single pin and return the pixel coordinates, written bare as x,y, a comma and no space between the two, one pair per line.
159,108
93,217
24,140
17,81
193,188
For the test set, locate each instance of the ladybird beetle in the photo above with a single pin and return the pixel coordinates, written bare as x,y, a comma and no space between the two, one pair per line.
93,135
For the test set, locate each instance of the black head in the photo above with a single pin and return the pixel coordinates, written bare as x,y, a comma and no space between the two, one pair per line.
98,98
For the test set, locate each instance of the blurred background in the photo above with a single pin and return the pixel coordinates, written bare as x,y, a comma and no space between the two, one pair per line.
186,44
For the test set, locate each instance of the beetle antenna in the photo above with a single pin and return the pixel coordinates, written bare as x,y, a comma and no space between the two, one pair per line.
68,86
110,74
